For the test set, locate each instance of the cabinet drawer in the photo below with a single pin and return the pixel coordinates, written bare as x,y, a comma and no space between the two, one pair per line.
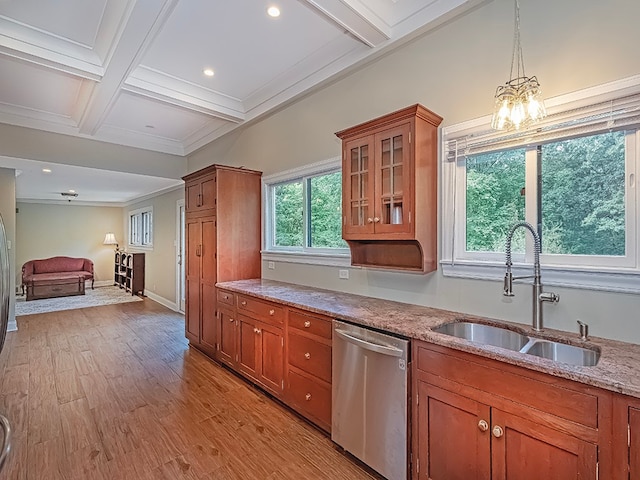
226,297
311,356
311,398
310,324
266,311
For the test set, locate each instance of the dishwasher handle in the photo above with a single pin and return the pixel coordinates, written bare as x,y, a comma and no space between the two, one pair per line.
374,347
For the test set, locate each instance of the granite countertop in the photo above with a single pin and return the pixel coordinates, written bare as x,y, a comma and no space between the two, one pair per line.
618,369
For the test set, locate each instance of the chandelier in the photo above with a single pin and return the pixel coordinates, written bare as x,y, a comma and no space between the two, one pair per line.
518,103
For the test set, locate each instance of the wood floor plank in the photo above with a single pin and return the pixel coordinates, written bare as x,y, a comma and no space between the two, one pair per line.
116,393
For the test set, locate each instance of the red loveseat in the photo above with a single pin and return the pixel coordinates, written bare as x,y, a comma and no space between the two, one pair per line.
57,268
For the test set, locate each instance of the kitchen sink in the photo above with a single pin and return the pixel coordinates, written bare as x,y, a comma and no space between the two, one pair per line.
561,352
510,340
485,334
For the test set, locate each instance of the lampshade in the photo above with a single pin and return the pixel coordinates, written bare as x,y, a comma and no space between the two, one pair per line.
518,103
110,239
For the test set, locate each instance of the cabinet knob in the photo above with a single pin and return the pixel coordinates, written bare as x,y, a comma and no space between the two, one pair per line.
497,431
369,220
376,220
483,425
243,303
226,297
307,397
307,355
231,320
307,324
257,330
272,311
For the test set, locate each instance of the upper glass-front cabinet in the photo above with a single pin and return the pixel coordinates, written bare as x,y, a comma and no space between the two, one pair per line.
377,188
389,190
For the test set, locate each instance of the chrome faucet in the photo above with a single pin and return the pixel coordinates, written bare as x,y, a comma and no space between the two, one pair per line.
538,295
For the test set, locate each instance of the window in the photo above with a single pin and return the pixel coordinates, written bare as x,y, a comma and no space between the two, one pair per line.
573,179
303,211
141,227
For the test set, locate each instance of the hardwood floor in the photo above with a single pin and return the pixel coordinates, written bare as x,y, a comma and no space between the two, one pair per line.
116,393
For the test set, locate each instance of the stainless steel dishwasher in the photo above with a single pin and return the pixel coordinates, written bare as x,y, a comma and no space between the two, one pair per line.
370,397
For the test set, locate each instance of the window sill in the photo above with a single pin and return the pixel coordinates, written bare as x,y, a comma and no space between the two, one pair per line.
616,280
325,259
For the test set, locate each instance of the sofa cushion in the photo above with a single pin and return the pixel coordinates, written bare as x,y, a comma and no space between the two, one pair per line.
40,277
58,264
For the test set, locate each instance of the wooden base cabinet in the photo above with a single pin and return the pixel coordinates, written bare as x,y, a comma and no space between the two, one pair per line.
308,384
284,350
476,418
222,206
627,437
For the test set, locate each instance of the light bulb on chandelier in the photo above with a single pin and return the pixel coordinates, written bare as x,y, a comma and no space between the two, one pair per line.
518,103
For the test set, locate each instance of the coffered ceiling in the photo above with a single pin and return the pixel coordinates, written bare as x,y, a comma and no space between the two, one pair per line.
131,71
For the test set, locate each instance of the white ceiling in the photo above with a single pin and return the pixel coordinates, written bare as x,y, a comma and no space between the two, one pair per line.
131,71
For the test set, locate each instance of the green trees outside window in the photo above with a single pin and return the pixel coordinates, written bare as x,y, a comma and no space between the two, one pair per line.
318,199
581,196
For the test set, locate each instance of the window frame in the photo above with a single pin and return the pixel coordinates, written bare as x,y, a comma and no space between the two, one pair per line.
607,273
306,255
140,229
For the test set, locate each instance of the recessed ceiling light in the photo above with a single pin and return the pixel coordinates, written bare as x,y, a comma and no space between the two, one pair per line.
46,170
208,72
273,11
72,191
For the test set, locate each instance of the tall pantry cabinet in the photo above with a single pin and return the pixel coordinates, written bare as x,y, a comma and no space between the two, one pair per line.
222,231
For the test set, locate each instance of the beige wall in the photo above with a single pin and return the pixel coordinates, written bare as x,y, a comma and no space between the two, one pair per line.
8,212
20,142
48,230
160,263
454,71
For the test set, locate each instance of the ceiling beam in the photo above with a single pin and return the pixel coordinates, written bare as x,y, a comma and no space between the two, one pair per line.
360,22
143,20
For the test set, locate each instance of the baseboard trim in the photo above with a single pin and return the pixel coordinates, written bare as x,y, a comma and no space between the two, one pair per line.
100,283
162,301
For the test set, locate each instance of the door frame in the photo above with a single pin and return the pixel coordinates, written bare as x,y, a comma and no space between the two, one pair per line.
180,251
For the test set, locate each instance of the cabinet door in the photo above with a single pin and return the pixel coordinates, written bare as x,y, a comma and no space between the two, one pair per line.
634,443
357,187
453,438
208,192
525,450
192,196
193,232
271,357
200,194
208,331
393,181
247,346
227,336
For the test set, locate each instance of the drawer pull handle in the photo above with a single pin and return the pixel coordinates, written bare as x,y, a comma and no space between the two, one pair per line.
272,311
307,324
307,397
483,425
243,303
307,355
497,431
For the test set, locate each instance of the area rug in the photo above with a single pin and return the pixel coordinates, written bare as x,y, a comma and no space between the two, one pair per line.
92,298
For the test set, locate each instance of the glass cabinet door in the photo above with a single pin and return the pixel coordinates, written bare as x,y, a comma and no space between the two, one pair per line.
357,186
393,196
